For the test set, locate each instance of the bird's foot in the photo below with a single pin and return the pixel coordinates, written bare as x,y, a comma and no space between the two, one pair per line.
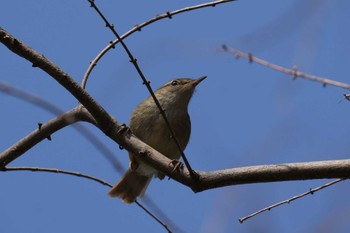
176,165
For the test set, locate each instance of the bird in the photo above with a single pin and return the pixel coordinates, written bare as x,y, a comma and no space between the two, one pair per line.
148,125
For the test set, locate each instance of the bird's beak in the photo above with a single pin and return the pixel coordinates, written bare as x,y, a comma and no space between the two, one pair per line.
197,81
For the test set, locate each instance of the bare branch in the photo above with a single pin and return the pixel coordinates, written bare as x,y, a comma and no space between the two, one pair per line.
78,174
311,191
58,171
38,60
153,216
293,72
138,27
41,133
273,173
95,141
207,180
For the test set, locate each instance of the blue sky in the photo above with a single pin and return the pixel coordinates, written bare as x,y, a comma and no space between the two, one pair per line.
242,114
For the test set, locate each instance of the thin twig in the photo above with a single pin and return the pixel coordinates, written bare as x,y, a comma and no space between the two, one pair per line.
78,174
59,171
311,191
153,216
293,72
133,60
42,132
138,27
155,208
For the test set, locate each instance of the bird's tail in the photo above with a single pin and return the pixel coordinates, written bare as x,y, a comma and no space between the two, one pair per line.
130,186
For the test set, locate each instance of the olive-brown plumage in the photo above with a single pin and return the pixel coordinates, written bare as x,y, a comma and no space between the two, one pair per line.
148,125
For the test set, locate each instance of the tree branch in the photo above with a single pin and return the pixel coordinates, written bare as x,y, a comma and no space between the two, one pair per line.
273,173
85,176
138,27
310,192
121,135
38,60
84,131
293,72
41,133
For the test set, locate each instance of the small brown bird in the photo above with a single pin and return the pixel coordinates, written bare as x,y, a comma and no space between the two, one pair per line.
148,125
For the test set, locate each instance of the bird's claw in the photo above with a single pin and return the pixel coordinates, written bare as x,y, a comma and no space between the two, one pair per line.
176,165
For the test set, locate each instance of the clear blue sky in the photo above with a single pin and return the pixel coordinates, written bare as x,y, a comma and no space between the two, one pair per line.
243,114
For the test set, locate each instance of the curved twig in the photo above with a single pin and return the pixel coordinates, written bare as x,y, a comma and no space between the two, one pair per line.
293,72
311,191
78,174
138,27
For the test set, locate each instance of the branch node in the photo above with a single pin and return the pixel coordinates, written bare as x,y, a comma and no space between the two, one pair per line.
112,44
137,28
347,96
133,60
250,57
148,82
324,85
39,128
295,72
169,15
92,4
311,191
16,42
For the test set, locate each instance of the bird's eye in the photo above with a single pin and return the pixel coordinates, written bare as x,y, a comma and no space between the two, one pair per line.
174,83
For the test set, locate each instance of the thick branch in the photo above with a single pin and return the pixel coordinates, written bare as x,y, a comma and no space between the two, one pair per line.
41,133
38,60
273,173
